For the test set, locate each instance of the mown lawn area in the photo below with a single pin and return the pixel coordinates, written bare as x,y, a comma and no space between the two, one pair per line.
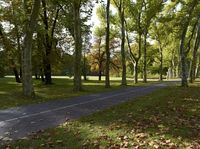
62,88
168,118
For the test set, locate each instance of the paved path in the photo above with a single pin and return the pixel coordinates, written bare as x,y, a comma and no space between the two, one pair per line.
18,122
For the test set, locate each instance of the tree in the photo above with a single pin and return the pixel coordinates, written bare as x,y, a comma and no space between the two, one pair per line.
86,48
120,4
78,45
49,39
135,25
27,50
100,56
183,49
11,35
195,52
107,82
151,8
8,50
159,33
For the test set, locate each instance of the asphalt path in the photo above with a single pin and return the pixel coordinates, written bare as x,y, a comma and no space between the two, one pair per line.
19,122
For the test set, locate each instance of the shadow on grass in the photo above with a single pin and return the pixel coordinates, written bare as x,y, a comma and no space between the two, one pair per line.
168,118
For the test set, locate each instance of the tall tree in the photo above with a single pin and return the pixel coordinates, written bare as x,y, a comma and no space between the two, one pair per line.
120,4
159,33
99,33
195,53
27,50
78,45
8,48
184,50
107,82
151,8
49,38
135,13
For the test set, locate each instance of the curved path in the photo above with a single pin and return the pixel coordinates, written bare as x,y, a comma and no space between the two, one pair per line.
18,122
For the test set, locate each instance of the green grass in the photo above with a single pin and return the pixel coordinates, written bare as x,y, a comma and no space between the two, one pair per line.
11,92
168,118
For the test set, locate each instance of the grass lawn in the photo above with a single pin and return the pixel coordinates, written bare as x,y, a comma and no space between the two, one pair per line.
11,92
169,118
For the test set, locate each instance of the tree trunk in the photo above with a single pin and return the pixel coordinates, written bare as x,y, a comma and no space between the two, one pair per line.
100,60
145,58
78,46
136,72
184,82
173,64
18,80
27,51
107,82
48,46
123,56
100,74
183,53
42,75
84,68
161,65
8,47
197,69
20,72
47,72
195,53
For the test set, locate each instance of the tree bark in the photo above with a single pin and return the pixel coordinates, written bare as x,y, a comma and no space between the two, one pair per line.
15,71
123,55
100,60
197,68
47,60
84,67
136,72
161,64
145,58
78,46
100,74
183,52
107,82
195,53
49,35
135,60
27,51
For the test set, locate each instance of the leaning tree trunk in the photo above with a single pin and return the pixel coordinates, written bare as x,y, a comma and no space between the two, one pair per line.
195,53
107,82
27,51
183,53
78,46
197,68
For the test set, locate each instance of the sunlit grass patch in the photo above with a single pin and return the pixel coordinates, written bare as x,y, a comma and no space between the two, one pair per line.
62,88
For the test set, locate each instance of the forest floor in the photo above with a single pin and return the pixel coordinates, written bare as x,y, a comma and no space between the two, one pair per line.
62,88
168,118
